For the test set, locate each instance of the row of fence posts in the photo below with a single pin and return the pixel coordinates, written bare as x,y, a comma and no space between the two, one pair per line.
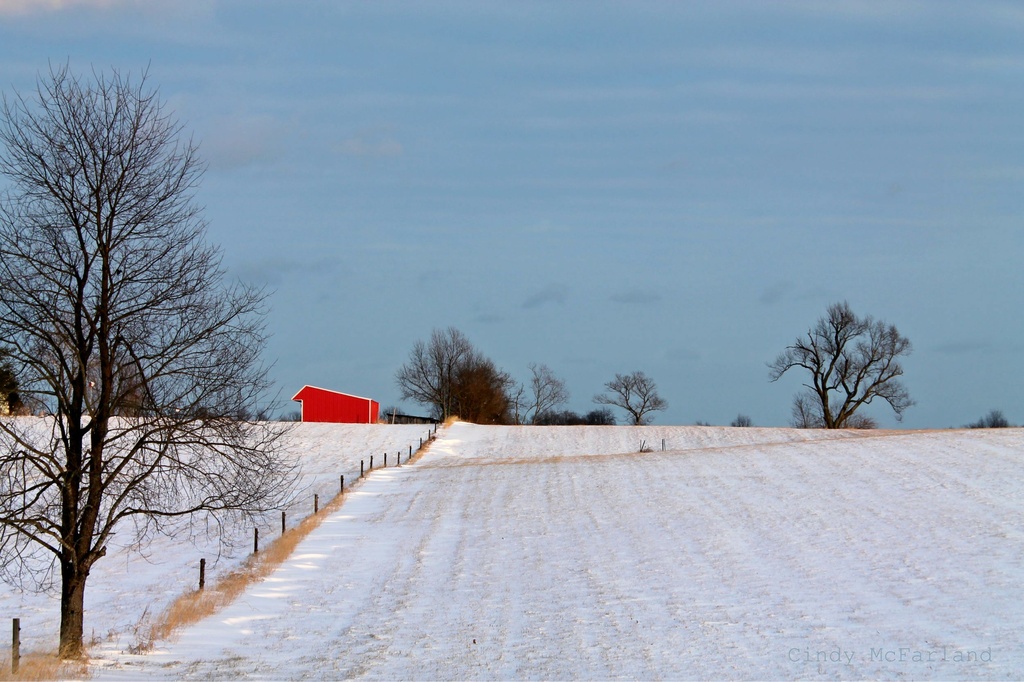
431,434
16,622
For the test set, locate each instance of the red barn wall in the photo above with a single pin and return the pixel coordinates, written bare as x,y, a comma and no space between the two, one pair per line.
321,405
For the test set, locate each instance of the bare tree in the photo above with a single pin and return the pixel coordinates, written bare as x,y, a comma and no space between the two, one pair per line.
601,416
428,377
481,392
450,376
993,420
636,393
10,401
742,420
804,413
547,391
851,361
118,321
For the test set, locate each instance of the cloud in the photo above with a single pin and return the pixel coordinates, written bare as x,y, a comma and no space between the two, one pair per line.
237,142
969,347
180,8
776,292
24,7
272,271
636,297
552,293
683,355
372,143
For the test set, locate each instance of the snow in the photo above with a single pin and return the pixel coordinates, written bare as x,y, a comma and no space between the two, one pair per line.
564,553
127,589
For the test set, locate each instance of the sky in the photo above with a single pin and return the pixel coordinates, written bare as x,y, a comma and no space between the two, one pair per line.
679,188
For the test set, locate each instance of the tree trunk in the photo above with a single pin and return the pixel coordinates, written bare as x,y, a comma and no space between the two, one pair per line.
72,611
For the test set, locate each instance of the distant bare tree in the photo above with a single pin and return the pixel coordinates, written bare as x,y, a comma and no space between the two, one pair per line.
10,400
450,376
804,413
636,393
851,361
992,420
429,375
601,416
481,392
742,420
118,322
547,391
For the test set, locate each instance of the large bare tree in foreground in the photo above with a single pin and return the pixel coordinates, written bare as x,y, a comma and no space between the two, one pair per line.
116,318
851,361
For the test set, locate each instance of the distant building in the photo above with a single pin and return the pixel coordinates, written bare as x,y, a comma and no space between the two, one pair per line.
322,405
396,418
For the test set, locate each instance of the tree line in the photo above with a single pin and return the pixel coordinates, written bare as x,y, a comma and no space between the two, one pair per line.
448,375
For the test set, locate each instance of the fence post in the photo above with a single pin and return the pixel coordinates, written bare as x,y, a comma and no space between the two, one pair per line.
360,468
385,460
371,462
316,502
202,574
341,485
255,540
282,523
15,645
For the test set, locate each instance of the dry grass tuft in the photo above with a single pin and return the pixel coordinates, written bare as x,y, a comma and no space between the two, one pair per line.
450,420
36,666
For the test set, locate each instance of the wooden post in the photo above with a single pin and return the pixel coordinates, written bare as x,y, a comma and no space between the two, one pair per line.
15,645
282,522
316,502
399,456
360,468
663,445
421,442
202,574
385,460
371,462
341,485
410,452
255,540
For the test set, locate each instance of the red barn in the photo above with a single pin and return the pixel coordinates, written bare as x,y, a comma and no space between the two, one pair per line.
321,405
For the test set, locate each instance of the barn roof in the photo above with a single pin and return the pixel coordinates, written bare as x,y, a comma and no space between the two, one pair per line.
298,395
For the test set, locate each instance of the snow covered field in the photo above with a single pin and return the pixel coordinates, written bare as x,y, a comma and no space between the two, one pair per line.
562,552
127,591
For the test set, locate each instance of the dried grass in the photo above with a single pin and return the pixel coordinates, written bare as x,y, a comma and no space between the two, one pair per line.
196,605
37,666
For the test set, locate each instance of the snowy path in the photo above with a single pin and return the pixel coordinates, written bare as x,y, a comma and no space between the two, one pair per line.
498,556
